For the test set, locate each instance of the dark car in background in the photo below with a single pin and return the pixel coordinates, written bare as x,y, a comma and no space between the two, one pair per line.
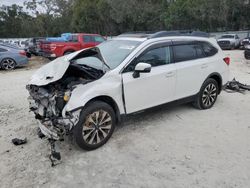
12,57
247,51
244,42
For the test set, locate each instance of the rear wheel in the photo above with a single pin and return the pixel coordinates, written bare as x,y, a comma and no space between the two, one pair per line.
8,64
207,95
96,125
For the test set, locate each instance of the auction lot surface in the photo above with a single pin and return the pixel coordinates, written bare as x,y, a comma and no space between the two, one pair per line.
172,147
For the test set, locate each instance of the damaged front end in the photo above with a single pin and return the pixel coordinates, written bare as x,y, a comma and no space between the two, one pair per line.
50,90
47,103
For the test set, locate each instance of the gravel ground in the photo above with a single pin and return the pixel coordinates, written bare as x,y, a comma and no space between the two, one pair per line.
170,147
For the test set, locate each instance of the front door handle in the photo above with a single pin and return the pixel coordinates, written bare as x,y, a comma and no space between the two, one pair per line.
170,74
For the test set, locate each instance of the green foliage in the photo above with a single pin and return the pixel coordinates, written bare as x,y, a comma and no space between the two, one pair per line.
111,17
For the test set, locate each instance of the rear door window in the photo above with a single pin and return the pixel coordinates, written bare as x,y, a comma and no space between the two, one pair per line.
184,52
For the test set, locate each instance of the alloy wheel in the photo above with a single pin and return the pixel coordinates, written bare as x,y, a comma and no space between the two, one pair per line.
96,127
8,64
209,95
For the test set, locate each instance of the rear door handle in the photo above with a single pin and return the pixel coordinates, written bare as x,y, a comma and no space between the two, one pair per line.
204,66
170,74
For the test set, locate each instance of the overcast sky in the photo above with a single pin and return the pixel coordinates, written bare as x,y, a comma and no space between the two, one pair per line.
10,2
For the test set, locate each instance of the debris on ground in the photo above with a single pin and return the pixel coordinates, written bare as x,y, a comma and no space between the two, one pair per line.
235,86
55,156
187,157
17,141
40,134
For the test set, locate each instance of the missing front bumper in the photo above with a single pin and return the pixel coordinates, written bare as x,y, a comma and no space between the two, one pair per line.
48,132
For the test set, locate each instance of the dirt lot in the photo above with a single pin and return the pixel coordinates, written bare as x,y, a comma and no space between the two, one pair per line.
172,147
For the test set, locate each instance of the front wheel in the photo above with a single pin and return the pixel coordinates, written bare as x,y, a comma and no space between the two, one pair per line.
207,95
96,125
8,64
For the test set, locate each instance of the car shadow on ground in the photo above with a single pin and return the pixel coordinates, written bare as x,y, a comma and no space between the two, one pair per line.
136,122
155,113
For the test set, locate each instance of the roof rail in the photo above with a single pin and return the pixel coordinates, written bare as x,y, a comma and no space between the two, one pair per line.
179,33
138,34
152,34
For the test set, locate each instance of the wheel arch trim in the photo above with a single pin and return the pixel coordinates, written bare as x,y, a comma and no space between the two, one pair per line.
104,98
216,76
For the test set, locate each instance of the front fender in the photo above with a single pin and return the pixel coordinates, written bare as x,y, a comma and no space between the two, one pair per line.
81,95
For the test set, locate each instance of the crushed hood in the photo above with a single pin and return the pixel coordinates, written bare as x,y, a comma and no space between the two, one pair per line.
55,70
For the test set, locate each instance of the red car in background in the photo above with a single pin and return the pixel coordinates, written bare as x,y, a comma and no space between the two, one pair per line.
77,42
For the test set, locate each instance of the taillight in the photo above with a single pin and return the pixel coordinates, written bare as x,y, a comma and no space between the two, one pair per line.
227,60
22,52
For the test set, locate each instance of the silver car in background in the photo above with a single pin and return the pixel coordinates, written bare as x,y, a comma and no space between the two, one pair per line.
12,57
229,41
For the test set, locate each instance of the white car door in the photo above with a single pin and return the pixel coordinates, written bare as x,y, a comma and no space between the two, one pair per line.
191,68
153,88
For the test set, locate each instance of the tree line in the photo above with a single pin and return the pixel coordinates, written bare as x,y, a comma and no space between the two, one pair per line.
112,17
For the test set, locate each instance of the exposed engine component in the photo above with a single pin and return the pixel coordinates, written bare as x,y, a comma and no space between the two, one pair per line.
47,102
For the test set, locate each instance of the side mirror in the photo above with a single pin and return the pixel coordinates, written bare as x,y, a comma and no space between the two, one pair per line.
141,68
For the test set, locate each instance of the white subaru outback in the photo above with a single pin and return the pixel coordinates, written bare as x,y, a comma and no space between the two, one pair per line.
85,93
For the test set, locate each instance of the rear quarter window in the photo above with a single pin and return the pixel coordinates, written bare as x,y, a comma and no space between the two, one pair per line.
209,49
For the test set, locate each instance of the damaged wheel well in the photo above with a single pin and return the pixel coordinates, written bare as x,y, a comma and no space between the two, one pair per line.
109,101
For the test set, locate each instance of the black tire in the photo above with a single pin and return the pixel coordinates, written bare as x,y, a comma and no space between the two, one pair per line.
208,95
92,131
247,57
28,54
8,64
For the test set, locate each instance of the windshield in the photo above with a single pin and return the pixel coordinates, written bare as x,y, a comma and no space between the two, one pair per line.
227,36
113,52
